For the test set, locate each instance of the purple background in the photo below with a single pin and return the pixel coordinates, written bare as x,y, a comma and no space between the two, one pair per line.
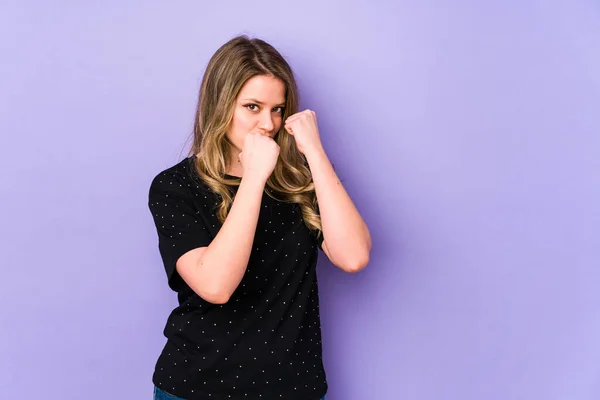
467,132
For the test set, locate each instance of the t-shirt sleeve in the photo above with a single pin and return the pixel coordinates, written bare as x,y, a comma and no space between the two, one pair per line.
318,236
318,240
179,225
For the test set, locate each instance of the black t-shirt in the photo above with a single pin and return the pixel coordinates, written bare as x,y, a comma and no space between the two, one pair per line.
265,342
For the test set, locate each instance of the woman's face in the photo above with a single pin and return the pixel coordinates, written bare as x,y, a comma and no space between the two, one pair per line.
258,108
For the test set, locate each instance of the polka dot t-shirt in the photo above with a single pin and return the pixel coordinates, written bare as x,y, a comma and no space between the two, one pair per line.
265,342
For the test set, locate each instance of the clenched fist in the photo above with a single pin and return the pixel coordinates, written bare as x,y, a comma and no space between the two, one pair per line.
259,156
303,126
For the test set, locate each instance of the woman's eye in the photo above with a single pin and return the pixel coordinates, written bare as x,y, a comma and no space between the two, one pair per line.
254,107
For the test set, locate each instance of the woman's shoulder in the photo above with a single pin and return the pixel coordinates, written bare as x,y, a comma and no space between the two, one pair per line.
179,178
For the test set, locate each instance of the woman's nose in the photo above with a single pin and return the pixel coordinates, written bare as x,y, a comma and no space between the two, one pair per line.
266,123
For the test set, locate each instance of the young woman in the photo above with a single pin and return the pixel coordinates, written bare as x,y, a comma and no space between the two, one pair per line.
239,222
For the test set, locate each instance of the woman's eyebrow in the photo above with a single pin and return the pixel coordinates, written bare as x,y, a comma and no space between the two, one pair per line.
261,103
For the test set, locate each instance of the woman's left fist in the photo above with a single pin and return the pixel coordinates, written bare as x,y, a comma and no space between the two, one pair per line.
303,127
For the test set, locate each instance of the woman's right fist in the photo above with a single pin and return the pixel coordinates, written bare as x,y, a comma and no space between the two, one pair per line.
259,156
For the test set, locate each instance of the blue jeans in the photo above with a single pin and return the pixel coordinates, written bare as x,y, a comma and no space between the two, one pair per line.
162,395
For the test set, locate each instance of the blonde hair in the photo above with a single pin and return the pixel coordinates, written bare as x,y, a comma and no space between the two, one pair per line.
232,65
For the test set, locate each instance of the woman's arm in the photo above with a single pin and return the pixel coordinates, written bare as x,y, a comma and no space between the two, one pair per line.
347,241
214,272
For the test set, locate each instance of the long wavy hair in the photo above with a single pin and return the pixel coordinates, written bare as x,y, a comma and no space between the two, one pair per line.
232,65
